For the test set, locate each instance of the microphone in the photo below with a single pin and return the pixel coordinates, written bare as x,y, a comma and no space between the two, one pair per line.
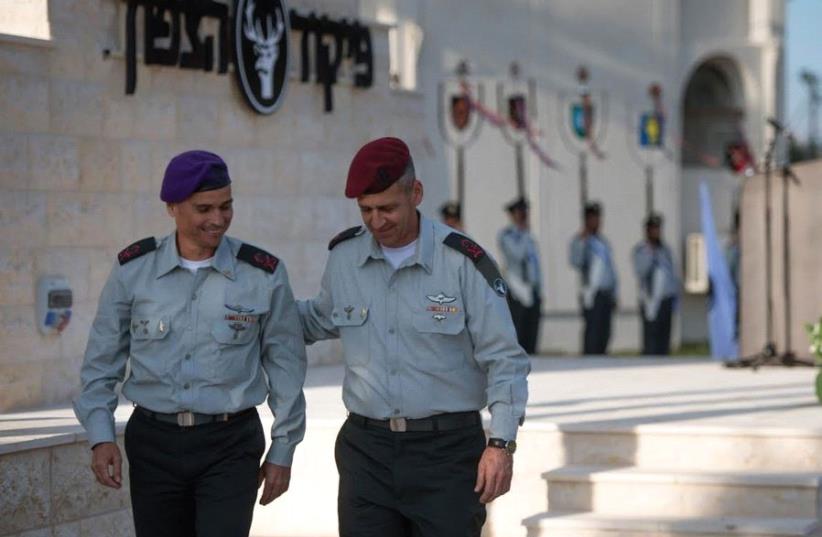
780,128
773,122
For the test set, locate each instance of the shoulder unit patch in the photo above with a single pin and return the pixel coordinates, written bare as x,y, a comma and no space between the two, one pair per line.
477,255
133,251
343,236
258,258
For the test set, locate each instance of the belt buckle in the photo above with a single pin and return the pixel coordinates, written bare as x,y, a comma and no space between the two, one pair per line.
185,419
398,425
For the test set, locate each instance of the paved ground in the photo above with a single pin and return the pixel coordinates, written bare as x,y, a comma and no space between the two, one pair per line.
616,392
636,391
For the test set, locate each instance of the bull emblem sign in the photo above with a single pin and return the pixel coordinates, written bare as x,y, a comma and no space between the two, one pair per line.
261,30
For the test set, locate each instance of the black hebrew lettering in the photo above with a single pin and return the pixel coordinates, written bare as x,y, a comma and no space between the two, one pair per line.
329,42
162,21
202,50
304,24
156,27
360,48
333,42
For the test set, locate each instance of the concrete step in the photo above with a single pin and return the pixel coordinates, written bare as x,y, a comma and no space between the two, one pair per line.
595,525
673,493
693,447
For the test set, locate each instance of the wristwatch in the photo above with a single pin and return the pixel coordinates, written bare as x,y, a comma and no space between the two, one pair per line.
510,446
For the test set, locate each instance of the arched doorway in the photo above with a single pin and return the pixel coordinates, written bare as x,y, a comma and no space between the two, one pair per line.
713,115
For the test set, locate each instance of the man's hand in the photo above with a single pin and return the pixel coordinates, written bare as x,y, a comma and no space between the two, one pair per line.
496,467
276,479
107,464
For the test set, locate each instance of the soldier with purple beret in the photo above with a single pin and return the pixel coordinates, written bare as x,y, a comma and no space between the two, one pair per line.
210,329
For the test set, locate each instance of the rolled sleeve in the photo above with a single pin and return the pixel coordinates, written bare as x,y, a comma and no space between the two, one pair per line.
284,361
497,352
104,363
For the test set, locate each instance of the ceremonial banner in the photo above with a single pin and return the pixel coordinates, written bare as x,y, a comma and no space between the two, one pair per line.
722,306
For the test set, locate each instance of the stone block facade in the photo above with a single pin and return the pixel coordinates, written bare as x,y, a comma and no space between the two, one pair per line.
50,492
81,165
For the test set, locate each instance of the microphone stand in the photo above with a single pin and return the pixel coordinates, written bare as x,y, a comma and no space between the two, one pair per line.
769,355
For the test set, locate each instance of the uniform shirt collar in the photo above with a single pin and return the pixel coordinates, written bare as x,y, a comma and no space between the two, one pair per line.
169,258
370,248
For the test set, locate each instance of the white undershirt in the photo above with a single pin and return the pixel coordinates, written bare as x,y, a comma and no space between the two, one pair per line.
194,266
396,256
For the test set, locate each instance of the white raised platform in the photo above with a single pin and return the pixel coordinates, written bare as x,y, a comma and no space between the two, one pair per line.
594,525
642,420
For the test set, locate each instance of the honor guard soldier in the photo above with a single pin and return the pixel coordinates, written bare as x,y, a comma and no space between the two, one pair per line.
590,254
210,329
523,274
451,214
427,341
658,288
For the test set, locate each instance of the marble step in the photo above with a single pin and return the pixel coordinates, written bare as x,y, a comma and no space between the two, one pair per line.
638,491
558,524
693,447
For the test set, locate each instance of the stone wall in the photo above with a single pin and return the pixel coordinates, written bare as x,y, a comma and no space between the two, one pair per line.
51,492
81,165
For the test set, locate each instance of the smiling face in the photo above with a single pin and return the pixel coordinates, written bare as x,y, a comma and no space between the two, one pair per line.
391,215
201,221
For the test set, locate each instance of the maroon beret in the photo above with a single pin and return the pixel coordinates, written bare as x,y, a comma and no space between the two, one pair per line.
376,166
193,171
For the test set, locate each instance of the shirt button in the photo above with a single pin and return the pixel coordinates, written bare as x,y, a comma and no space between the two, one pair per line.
188,357
390,330
194,296
186,385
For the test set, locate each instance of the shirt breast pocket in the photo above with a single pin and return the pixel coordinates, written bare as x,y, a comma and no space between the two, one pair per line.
442,345
148,340
351,323
240,324
236,333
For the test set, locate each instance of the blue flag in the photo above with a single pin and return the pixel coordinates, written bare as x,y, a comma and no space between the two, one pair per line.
722,307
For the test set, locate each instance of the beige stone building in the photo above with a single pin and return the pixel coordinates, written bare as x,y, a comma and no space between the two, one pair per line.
82,159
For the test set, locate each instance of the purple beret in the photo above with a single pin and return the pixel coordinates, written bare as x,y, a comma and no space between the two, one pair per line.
377,166
193,171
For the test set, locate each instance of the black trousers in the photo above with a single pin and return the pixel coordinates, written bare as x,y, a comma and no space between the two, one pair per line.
597,318
195,481
526,322
656,334
412,484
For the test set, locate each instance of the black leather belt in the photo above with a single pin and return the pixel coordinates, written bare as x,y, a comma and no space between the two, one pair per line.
191,419
439,422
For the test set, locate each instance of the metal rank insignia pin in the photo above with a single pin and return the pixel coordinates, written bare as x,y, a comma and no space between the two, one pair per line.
237,327
441,298
348,310
363,313
144,325
162,327
239,309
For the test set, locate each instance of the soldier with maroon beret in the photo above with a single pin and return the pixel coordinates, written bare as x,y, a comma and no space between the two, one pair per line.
210,329
427,342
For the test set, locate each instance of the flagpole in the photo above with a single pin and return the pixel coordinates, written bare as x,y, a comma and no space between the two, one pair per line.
583,179
520,170
461,175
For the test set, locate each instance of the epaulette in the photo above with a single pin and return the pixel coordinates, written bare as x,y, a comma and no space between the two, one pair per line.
258,258
477,255
343,236
133,251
